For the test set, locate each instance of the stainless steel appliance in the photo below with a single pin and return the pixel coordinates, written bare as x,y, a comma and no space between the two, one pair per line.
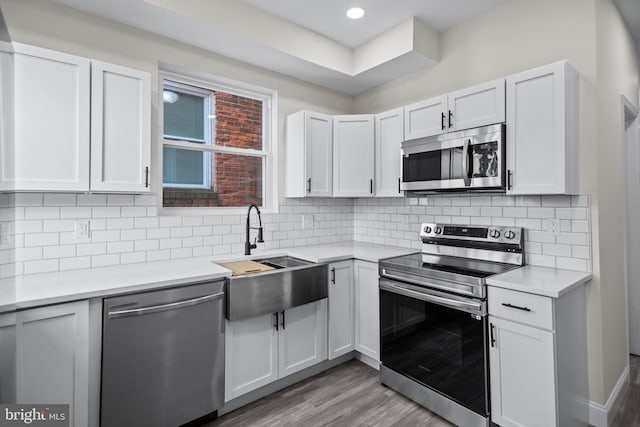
467,160
163,356
433,317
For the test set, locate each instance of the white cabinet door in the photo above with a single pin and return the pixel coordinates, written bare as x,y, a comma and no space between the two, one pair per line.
341,309
367,319
303,337
389,134
51,147
120,128
309,162
8,358
425,118
251,354
353,155
476,106
6,116
542,130
53,357
523,389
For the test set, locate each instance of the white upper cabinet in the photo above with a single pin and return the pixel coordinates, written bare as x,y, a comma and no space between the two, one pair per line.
6,115
120,131
72,116
389,134
425,118
476,106
353,155
309,162
50,151
542,130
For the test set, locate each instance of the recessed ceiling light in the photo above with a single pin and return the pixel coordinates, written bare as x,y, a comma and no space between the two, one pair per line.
355,13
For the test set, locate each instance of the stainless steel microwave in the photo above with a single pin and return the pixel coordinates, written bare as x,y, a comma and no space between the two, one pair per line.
473,159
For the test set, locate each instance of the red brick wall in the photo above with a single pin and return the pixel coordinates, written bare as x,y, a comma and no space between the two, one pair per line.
236,180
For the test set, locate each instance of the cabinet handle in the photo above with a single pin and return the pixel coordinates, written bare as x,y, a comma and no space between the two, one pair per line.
146,177
517,307
282,324
276,324
399,191
442,120
333,275
509,178
308,185
450,121
371,186
493,338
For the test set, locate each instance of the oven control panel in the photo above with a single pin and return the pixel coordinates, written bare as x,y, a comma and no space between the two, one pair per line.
495,234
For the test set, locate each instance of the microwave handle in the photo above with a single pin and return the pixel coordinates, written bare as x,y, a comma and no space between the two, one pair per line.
465,162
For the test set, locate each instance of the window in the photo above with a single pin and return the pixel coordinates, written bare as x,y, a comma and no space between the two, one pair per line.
216,145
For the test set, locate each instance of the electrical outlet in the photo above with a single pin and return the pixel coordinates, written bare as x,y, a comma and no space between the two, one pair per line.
83,232
307,221
4,235
553,226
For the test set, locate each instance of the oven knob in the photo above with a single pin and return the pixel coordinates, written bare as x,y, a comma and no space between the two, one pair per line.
438,230
509,234
494,233
427,230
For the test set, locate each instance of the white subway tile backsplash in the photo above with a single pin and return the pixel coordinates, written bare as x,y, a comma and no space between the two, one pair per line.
91,249
75,263
41,239
126,229
37,212
28,199
92,200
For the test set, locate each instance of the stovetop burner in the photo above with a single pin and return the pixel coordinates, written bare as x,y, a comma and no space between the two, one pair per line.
458,258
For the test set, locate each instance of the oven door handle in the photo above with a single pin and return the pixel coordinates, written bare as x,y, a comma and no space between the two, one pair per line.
428,297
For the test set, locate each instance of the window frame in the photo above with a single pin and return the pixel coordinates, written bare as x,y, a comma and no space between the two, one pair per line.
209,106
269,153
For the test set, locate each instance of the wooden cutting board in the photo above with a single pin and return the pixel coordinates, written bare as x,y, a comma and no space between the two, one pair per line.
238,268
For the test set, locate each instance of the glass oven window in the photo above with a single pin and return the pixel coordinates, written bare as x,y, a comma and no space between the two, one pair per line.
439,347
426,166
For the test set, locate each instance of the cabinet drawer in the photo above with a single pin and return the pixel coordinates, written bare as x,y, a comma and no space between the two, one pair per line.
534,310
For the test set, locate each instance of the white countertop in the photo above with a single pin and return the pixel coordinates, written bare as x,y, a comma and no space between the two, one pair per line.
50,288
550,282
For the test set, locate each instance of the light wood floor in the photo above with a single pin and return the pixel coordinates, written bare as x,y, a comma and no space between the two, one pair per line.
347,395
627,412
350,395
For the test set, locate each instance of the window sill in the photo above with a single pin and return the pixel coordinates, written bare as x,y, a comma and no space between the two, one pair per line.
201,211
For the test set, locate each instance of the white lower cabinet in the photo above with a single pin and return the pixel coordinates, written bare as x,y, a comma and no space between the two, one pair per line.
257,352
341,309
537,358
52,358
8,358
522,375
367,316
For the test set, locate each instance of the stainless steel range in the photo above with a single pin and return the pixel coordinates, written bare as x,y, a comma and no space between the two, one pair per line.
433,317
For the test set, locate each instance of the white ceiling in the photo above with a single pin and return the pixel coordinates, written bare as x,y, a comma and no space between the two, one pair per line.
630,11
327,17
311,40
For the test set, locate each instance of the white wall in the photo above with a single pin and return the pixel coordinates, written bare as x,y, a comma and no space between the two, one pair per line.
522,34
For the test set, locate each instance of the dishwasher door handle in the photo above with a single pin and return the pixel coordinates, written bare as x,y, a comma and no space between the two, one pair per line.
164,307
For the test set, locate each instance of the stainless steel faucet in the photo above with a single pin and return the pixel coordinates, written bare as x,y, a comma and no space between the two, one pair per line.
247,244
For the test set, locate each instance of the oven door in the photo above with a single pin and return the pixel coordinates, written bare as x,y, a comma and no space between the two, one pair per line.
426,166
436,339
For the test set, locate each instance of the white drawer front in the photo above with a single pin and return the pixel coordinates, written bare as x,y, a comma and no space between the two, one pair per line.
529,309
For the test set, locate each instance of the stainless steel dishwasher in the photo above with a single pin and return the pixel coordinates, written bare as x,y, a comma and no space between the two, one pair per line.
163,356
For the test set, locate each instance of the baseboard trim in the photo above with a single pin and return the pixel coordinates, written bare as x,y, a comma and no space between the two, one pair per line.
599,414
368,361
